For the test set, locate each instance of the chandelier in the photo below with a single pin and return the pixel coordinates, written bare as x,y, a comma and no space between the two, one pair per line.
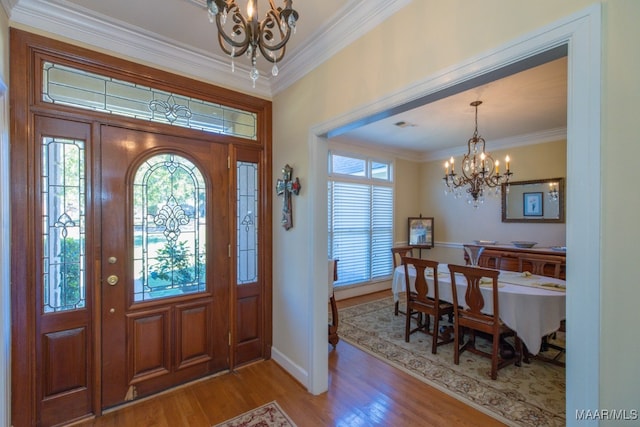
554,194
239,35
479,170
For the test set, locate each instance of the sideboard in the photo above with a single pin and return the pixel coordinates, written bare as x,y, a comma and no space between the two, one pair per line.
509,256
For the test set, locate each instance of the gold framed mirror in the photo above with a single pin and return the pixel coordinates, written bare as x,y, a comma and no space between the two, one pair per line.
540,200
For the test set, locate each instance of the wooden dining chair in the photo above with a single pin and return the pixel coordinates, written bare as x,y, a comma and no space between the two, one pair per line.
544,266
541,265
418,302
470,317
398,252
333,326
487,259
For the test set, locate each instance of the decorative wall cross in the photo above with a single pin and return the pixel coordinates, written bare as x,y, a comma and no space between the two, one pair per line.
286,186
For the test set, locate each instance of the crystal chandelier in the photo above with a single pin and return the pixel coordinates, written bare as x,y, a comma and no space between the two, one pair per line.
554,194
479,170
247,35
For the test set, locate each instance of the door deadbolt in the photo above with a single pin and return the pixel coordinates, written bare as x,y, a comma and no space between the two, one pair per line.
112,260
112,280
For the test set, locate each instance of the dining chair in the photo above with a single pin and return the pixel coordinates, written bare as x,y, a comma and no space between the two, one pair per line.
398,252
543,266
333,326
418,302
470,316
540,265
486,258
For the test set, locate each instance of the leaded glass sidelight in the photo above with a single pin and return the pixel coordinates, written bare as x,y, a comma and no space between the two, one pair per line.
247,222
63,224
169,228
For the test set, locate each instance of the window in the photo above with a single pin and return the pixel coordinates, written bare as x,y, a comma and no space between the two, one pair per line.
360,213
65,85
63,219
247,222
169,228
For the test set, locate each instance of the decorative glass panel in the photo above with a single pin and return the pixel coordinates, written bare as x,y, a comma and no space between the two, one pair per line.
169,228
63,218
81,89
247,222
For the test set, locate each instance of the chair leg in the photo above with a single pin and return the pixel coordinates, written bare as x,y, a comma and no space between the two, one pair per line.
407,325
436,334
456,342
495,356
519,351
396,308
333,327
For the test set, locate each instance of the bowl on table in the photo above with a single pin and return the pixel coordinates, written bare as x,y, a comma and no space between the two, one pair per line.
523,244
485,242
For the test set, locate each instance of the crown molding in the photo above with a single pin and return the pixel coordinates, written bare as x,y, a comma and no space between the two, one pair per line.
549,135
65,19
388,151
351,22
73,22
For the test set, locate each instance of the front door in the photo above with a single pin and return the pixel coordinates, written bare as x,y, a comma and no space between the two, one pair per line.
164,262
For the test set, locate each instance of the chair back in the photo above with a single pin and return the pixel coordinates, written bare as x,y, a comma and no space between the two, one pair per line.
477,255
537,264
471,314
421,285
399,252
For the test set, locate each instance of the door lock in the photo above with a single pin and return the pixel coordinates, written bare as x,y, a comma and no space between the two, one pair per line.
112,280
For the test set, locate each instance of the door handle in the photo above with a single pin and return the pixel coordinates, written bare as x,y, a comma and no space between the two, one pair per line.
112,280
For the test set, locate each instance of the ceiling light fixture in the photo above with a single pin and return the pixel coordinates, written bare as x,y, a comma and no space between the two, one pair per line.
239,34
554,194
479,170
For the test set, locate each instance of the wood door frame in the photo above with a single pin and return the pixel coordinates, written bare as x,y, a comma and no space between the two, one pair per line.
27,50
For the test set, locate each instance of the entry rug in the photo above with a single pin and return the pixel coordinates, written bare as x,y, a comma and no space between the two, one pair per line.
269,415
530,395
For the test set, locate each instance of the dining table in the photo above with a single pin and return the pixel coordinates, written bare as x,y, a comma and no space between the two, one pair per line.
532,305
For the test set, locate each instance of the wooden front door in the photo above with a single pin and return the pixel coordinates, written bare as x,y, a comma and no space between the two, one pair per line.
164,262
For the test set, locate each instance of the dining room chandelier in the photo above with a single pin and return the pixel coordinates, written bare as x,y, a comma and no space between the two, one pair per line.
239,34
479,171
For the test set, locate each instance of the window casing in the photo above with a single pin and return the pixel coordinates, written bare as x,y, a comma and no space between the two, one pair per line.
360,217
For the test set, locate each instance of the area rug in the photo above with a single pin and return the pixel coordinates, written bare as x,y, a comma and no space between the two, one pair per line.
269,415
530,395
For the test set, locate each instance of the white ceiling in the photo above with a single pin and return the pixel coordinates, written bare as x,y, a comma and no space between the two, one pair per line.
177,35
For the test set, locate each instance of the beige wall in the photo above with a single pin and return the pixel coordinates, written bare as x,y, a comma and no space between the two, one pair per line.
408,195
620,205
392,57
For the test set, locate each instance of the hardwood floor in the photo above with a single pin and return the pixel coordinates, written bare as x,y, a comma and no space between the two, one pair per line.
363,391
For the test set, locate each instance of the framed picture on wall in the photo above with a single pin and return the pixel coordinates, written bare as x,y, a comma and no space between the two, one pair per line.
421,232
532,204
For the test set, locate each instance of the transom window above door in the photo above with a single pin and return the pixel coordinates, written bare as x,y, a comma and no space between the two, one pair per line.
81,89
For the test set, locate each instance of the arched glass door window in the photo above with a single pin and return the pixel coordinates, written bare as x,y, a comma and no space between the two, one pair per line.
169,228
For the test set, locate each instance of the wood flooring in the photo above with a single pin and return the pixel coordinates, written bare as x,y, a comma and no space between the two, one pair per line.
363,391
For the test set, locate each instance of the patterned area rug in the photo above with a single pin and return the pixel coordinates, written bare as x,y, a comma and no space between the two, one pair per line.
530,395
269,415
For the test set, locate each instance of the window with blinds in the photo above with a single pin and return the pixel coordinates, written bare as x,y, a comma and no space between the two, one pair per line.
360,218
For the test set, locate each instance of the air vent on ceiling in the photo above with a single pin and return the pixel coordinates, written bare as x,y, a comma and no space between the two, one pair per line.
403,124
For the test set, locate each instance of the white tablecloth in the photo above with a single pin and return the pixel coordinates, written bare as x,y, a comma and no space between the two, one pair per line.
532,312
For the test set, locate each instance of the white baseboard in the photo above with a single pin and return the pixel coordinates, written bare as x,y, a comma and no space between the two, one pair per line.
287,364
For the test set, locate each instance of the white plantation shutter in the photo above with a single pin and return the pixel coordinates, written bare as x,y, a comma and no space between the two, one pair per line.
360,228
382,232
